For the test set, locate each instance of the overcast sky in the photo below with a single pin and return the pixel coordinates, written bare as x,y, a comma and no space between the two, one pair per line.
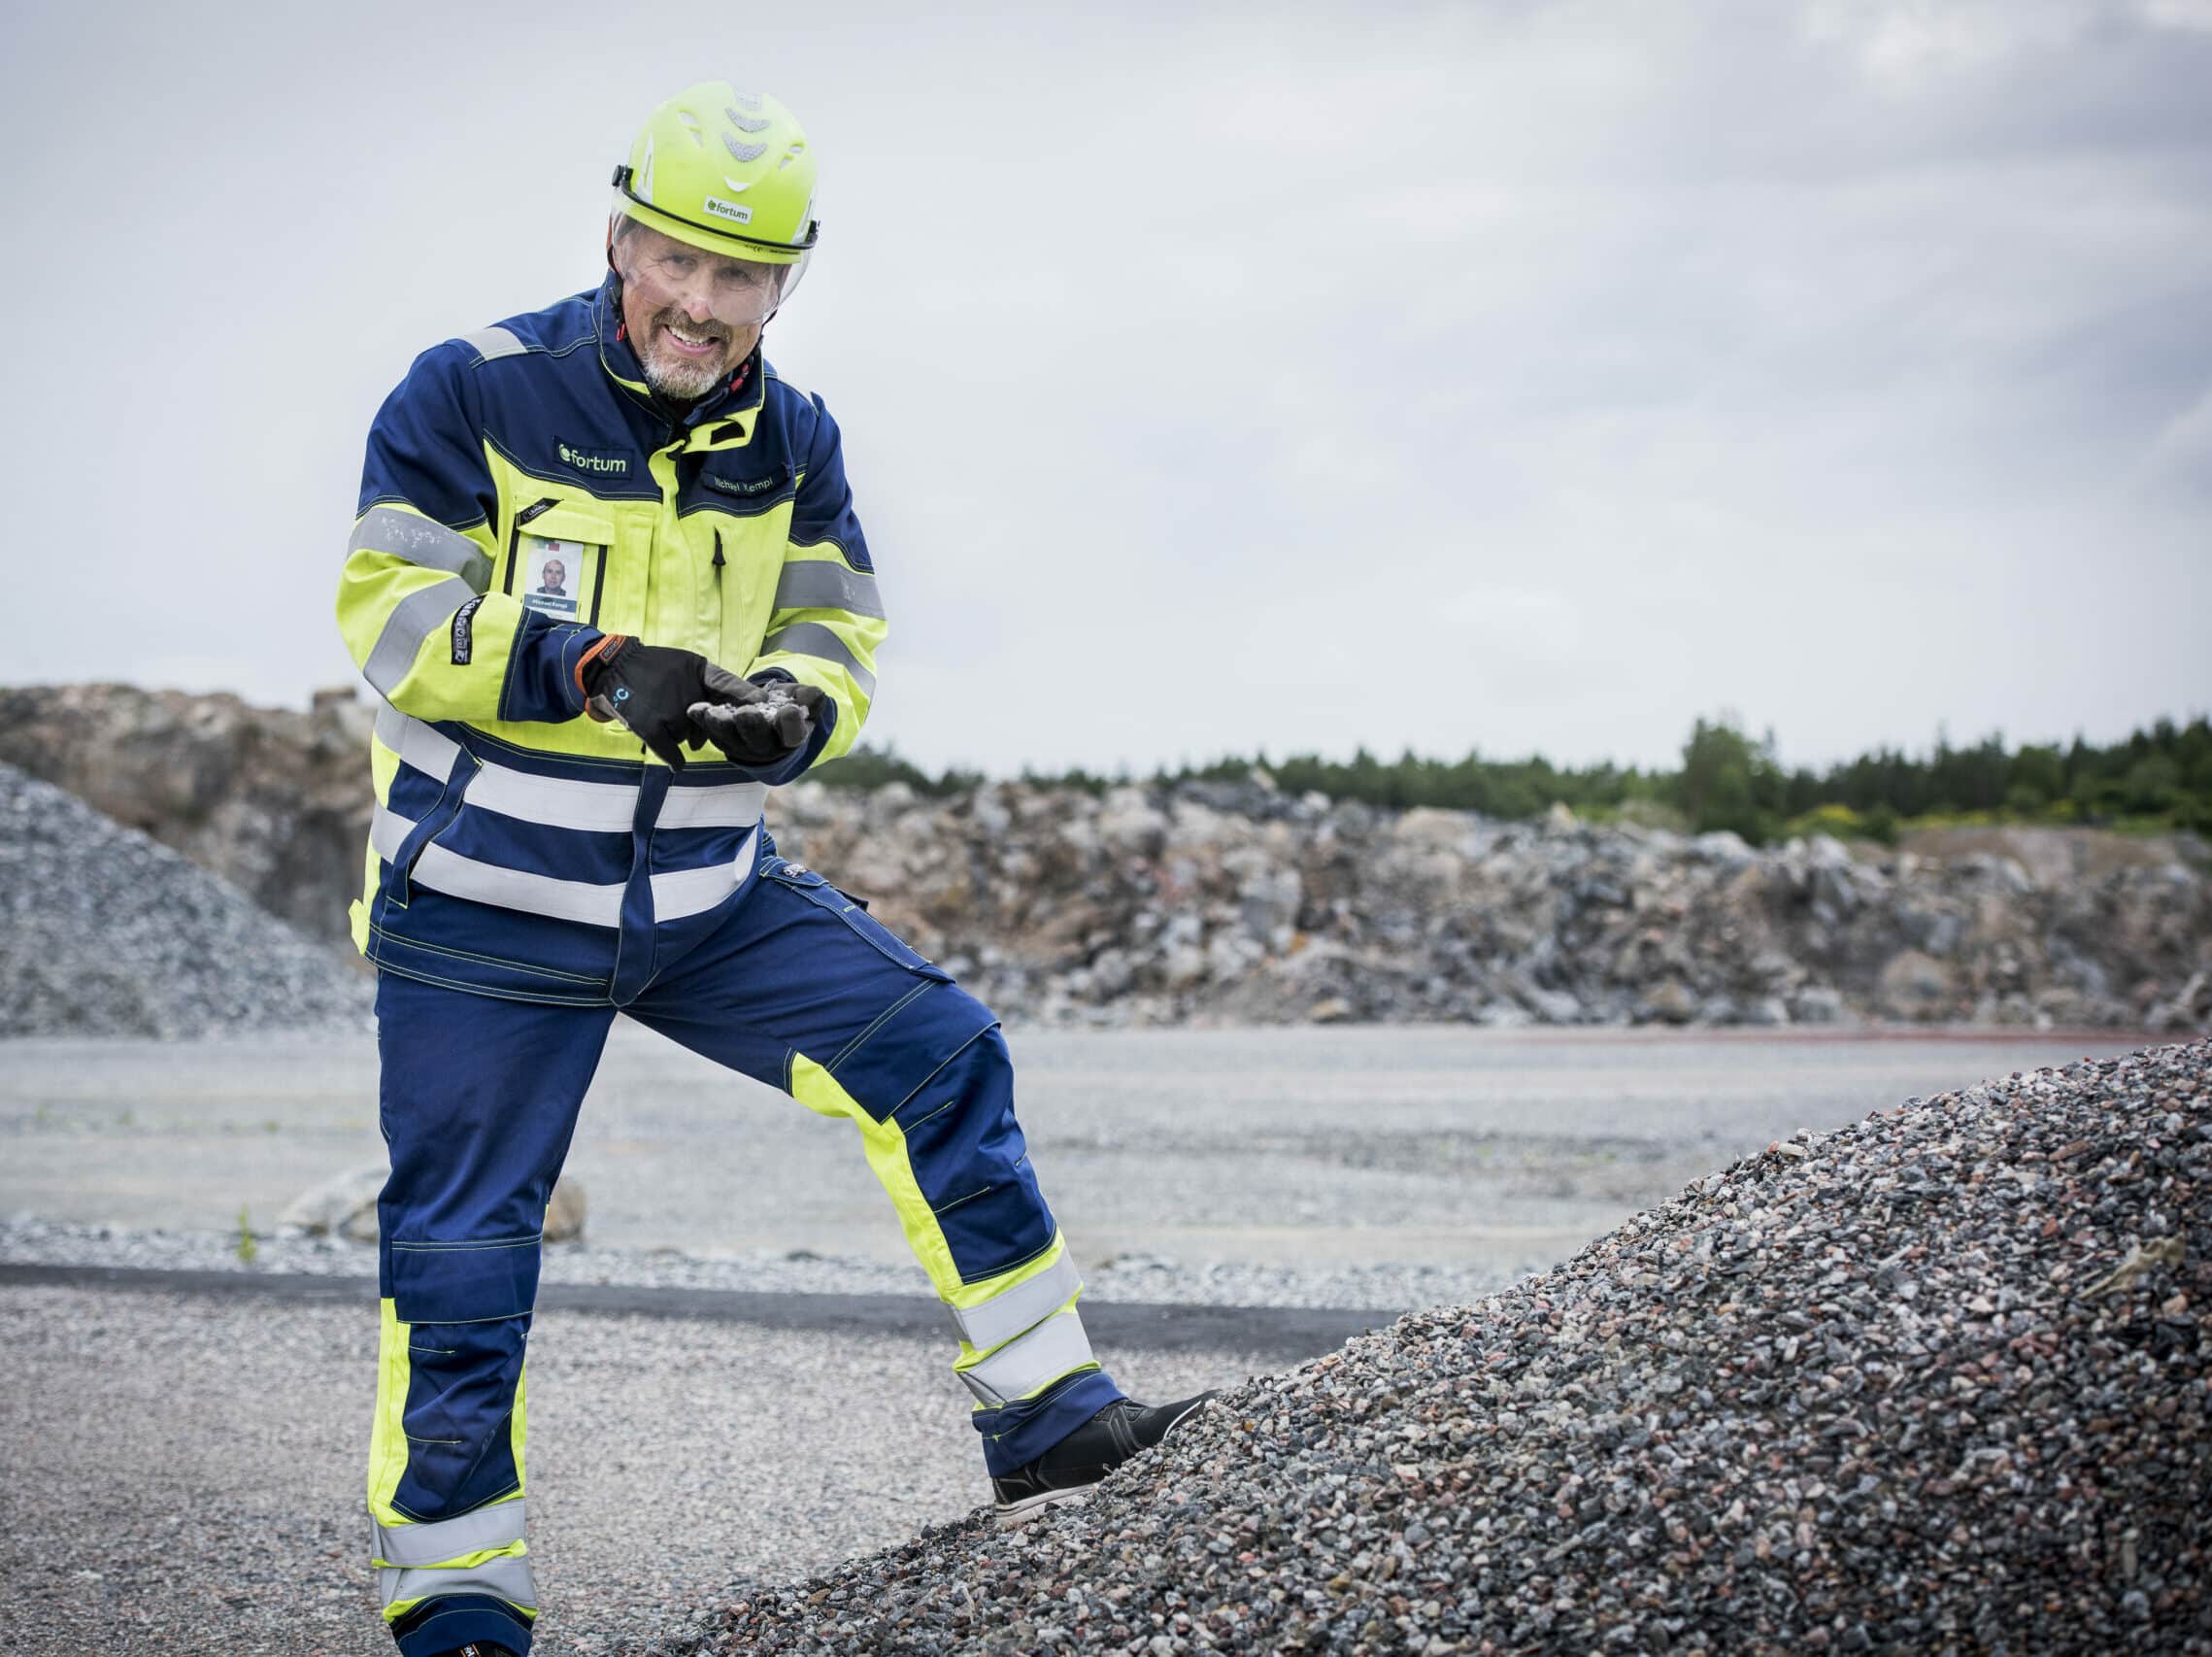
1517,376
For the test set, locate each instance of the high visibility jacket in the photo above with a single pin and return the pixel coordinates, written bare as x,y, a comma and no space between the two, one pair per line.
525,493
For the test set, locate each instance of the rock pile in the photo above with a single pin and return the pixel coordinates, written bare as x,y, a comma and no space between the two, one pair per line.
1238,903
1229,904
1935,1382
104,932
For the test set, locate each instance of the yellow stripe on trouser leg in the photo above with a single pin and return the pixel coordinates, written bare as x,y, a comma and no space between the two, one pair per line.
1019,1328
481,1552
387,1436
884,1145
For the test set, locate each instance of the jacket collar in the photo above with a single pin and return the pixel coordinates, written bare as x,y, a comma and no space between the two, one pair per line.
722,419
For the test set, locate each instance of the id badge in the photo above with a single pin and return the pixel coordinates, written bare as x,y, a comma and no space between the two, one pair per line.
553,575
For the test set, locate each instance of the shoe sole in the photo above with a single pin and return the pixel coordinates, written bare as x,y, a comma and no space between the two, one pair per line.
1012,1514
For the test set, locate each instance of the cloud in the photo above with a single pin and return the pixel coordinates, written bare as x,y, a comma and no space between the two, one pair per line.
1536,376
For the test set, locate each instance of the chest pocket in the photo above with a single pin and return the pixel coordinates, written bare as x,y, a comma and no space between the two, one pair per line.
748,491
557,558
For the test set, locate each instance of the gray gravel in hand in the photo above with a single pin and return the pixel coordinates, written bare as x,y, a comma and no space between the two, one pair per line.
1933,1382
105,932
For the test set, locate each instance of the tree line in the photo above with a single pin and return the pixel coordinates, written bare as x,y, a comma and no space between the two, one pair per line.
2160,777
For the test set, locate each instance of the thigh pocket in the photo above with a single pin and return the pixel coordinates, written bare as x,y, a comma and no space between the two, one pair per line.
855,914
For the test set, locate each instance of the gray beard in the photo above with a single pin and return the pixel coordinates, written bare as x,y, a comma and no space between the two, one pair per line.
685,383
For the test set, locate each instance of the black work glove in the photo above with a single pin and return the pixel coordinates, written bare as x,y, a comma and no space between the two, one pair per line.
651,689
767,726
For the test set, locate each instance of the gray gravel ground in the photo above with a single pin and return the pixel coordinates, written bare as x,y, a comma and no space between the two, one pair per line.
185,1473
1933,1382
103,932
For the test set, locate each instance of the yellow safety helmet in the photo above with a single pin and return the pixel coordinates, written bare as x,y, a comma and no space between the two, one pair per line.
726,171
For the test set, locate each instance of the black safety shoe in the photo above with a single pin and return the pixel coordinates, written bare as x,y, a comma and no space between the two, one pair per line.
1071,1469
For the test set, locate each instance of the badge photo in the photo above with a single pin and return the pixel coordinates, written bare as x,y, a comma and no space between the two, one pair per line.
552,574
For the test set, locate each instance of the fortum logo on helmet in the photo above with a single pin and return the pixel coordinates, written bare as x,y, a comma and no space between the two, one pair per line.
728,210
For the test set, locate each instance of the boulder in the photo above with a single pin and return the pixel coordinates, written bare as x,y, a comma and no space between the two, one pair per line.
1917,986
345,1205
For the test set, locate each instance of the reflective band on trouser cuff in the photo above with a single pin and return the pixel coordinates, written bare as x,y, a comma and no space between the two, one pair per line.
674,896
440,1540
412,620
562,802
420,541
812,638
507,1576
1005,1316
827,583
1056,1347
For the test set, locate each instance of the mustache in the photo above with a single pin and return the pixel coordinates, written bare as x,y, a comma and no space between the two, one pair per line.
702,330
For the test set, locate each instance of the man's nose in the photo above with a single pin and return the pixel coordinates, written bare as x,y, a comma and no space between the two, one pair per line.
697,305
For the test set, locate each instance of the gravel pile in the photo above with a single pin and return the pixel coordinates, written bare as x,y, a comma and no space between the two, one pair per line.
27,1240
104,932
1933,1382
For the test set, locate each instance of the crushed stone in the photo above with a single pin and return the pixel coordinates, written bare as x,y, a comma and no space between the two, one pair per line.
1933,1382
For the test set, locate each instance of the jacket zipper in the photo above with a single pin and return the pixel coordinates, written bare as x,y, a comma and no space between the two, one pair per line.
599,586
514,545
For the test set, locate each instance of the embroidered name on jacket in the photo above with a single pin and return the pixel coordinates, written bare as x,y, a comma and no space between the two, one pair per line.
747,489
599,463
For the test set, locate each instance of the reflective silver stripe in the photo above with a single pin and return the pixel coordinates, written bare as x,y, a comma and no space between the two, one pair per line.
812,638
827,584
508,1578
724,805
695,891
563,802
495,342
587,901
1056,1347
389,831
449,1538
1005,1315
674,896
418,744
558,802
416,539
412,620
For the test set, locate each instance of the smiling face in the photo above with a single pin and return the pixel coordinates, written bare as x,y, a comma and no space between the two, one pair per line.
692,317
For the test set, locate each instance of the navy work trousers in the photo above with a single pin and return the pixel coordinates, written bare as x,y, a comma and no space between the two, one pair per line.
797,986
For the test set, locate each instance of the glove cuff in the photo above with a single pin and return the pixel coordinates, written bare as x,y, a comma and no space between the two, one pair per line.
592,663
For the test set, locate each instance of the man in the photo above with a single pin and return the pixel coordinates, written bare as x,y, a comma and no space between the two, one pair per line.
532,871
